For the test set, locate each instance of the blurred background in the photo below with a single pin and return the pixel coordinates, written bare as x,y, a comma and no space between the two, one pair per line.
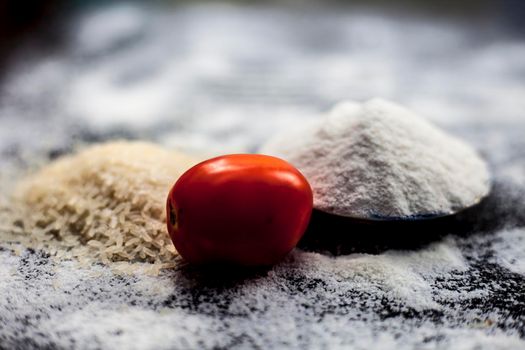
219,77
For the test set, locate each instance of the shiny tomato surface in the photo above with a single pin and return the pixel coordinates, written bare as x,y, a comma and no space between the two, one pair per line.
245,209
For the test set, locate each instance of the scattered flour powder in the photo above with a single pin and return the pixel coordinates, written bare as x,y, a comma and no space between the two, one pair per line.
512,243
378,159
286,306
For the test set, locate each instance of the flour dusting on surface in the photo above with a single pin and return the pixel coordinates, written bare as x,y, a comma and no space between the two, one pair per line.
509,249
301,301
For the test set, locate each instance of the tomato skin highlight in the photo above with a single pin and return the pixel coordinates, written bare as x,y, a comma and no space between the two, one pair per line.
245,209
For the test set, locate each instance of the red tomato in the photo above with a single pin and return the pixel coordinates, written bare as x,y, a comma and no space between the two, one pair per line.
246,209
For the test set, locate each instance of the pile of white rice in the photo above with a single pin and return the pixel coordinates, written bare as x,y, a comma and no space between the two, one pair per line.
104,204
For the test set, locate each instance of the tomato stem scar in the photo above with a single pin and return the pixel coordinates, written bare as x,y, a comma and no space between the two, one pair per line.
173,216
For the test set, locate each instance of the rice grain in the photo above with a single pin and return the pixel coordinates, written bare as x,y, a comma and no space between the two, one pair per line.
106,204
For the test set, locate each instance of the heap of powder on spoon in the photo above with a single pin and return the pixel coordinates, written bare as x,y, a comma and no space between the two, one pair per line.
378,160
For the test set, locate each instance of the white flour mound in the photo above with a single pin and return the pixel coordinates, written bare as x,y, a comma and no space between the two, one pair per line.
378,159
